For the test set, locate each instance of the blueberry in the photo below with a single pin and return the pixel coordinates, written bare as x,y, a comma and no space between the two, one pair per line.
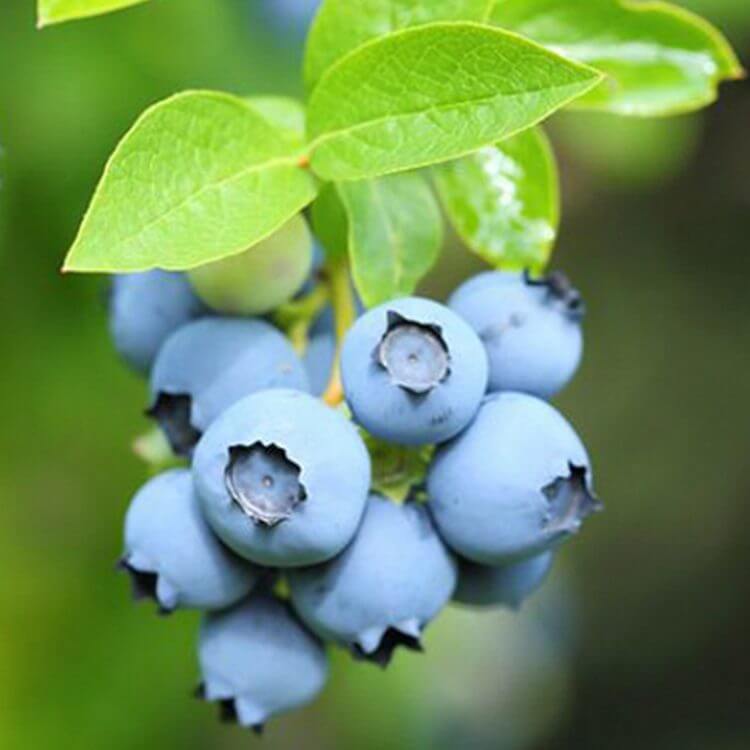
173,556
144,309
290,17
208,365
257,661
319,360
283,479
530,328
391,581
506,585
413,372
320,356
260,279
517,482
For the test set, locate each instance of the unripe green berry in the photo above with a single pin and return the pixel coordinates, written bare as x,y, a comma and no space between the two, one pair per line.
260,279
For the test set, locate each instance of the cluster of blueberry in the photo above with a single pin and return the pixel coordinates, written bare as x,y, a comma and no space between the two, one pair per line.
273,529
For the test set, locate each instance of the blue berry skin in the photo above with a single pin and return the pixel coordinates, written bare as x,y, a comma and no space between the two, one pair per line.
321,350
210,364
414,373
516,483
258,661
507,585
144,309
320,355
283,479
391,581
319,359
531,329
290,17
172,554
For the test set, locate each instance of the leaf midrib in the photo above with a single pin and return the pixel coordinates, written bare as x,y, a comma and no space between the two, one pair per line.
320,140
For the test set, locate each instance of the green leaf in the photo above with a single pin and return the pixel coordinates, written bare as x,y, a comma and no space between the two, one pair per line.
395,234
284,113
433,93
56,11
504,201
342,25
329,221
659,59
200,176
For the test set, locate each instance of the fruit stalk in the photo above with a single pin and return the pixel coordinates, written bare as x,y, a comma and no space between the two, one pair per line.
296,317
344,313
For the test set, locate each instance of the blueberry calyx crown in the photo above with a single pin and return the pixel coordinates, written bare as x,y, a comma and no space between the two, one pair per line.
172,413
228,713
559,287
391,639
414,354
570,501
264,482
143,584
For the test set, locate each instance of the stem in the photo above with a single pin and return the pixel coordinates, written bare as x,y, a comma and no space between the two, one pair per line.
344,314
297,317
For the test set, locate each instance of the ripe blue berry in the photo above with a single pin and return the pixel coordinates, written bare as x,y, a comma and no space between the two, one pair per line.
208,365
319,359
505,585
173,556
290,17
321,350
515,483
531,329
257,661
283,478
320,356
380,593
144,309
413,372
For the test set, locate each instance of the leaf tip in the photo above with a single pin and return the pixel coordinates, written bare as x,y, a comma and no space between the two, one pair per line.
69,264
738,72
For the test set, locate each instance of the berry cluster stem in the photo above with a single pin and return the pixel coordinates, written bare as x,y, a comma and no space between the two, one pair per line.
297,317
344,313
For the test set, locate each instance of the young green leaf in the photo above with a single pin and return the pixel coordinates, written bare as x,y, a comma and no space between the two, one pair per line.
200,176
395,234
433,93
503,200
342,25
660,59
56,11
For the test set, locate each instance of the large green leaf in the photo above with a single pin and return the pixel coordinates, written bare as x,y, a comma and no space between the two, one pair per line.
200,176
56,11
503,200
660,59
395,234
433,93
342,25
284,113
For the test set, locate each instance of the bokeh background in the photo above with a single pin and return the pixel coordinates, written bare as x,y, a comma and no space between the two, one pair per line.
639,640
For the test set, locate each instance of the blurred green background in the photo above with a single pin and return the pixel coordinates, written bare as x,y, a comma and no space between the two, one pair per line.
639,639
